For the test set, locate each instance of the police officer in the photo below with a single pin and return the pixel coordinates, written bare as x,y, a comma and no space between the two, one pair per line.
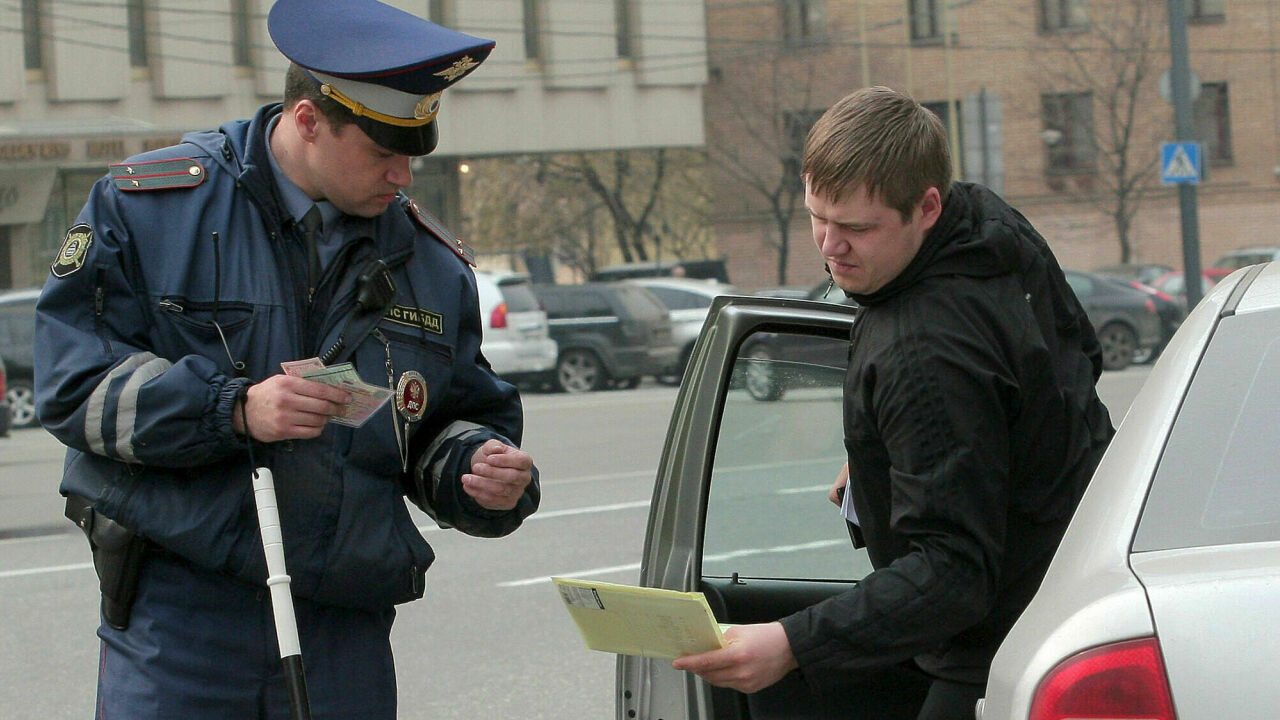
199,287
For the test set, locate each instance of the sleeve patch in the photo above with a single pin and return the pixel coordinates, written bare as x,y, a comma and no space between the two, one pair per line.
440,232
75,246
157,174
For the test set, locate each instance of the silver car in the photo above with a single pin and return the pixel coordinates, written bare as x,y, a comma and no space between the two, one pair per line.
688,301
1163,597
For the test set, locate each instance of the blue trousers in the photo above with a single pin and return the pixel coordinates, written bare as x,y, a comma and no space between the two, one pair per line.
201,645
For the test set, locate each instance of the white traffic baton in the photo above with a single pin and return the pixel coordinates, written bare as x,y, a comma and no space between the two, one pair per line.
264,496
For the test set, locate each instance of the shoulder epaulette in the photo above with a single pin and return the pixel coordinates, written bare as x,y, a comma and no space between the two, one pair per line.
157,174
440,232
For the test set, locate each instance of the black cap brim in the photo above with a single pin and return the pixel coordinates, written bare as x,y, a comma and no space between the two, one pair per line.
411,141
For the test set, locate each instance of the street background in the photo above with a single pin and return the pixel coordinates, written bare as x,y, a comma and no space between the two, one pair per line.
490,638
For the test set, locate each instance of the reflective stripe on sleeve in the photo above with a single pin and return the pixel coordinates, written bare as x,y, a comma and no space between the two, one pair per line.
140,367
457,430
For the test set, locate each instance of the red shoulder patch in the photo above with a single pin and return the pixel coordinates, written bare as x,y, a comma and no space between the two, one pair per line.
440,232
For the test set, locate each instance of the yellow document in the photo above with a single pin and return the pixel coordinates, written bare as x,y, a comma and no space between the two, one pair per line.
630,620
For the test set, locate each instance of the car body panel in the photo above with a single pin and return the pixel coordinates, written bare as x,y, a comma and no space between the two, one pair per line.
1098,591
1215,613
723,457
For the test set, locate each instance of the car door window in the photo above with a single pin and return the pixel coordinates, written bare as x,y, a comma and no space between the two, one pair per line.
767,513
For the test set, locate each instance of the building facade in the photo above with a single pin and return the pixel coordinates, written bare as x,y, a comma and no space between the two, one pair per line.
86,84
1059,105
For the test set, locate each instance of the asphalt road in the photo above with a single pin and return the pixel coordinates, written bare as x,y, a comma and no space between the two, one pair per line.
490,639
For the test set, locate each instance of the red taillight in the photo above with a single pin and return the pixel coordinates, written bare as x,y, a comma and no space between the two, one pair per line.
1123,680
1151,306
498,318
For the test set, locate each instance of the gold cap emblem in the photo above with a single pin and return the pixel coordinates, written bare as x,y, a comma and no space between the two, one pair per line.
458,68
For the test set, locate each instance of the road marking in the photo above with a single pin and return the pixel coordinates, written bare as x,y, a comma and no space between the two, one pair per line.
44,570
745,552
563,513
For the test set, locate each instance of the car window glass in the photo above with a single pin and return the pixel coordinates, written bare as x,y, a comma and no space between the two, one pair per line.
767,514
640,303
676,299
1219,477
594,304
518,296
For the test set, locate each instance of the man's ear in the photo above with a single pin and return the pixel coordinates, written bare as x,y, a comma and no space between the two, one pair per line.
306,118
930,207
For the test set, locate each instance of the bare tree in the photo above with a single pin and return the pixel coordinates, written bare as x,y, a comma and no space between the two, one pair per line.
757,138
1115,62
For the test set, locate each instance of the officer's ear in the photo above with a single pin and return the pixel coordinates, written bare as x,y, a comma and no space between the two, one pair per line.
306,118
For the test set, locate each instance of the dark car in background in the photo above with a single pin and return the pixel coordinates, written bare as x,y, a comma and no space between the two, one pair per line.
688,301
17,338
1141,272
609,334
1126,318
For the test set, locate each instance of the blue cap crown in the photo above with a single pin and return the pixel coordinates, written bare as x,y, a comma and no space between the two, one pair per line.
387,66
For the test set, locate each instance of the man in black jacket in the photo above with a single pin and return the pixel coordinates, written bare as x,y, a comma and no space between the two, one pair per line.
972,423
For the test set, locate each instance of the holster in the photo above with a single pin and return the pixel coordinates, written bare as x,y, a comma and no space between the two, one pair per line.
117,558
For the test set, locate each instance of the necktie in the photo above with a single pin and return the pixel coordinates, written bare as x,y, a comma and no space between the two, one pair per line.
311,235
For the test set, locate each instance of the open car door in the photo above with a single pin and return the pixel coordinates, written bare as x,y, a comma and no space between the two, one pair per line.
740,509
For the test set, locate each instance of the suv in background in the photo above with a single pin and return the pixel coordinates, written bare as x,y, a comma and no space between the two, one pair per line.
17,337
516,339
687,301
609,334
1243,257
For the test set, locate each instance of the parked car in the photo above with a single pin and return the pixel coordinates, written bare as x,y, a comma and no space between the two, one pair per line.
687,301
1174,283
1126,319
1141,272
517,341
1159,603
17,338
1243,257
1161,599
608,334
4,401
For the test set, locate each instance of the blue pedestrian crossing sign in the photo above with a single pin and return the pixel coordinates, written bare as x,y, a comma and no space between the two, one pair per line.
1180,163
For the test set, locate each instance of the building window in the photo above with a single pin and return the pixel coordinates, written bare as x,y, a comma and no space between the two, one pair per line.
532,30
1206,9
136,19
926,19
942,109
438,13
241,38
803,22
622,23
1063,15
32,35
1213,123
1068,131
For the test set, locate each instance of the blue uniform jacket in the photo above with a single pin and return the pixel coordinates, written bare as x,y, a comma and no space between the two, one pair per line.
133,376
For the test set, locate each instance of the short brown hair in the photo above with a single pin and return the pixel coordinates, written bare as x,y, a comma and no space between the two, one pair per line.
298,85
882,141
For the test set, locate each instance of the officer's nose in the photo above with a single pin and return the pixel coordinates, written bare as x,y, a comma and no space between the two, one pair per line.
400,172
